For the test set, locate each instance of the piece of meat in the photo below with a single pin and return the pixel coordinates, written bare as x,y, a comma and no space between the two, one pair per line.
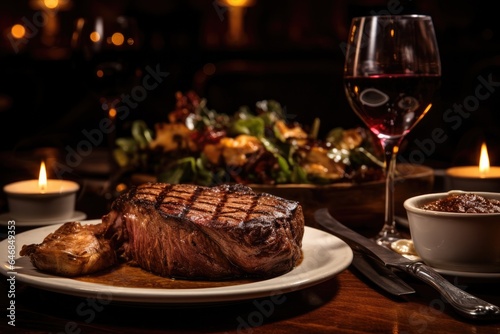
221,232
188,231
72,250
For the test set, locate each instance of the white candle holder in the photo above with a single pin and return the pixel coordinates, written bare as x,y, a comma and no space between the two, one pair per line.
469,178
28,202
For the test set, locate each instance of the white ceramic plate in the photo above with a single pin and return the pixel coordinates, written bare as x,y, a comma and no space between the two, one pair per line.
5,217
324,256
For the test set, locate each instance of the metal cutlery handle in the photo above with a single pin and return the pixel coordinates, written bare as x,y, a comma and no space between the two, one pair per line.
465,303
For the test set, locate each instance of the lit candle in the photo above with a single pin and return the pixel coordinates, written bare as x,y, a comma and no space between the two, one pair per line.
51,22
474,178
236,9
41,199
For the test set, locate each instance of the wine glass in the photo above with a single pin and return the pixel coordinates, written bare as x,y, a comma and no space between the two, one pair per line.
106,55
392,72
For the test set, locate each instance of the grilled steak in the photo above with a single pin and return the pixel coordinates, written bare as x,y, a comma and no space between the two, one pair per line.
188,231
199,232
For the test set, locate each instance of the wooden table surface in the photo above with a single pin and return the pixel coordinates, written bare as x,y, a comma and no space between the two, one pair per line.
346,303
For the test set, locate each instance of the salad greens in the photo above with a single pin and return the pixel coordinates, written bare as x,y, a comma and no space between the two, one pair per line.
198,145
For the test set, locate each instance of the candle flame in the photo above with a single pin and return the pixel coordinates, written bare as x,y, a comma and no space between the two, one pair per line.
239,3
42,178
484,161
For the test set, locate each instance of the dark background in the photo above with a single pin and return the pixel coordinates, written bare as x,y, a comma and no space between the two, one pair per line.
292,54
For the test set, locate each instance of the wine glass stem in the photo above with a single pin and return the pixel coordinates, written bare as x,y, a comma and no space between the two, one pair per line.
389,231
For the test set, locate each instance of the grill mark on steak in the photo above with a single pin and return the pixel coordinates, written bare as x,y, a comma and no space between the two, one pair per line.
161,196
183,204
219,206
132,192
193,196
179,202
251,209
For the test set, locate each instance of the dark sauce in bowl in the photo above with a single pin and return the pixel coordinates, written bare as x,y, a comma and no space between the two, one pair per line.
464,203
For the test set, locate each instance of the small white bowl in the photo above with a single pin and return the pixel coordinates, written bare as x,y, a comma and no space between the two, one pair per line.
468,242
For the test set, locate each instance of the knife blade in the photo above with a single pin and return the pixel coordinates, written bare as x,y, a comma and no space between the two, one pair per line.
464,303
382,276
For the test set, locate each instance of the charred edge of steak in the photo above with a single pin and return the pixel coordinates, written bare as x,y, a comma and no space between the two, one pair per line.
220,232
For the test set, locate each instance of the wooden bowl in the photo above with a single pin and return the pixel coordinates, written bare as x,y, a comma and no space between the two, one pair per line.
357,205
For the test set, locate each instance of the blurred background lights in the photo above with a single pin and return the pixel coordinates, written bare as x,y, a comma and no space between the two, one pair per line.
238,3
112,113
51,4
18,31
95,37
209,69
117,38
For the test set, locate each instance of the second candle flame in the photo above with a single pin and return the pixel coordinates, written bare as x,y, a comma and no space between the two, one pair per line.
484,160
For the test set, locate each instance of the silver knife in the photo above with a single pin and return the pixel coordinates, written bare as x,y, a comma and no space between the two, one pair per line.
382,276
464,303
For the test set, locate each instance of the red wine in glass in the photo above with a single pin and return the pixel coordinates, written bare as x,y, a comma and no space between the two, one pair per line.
390,105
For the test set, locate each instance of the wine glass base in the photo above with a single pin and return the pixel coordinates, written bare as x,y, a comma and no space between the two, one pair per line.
387,236
386,241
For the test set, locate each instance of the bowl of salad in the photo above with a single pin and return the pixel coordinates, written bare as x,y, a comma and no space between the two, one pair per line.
261,148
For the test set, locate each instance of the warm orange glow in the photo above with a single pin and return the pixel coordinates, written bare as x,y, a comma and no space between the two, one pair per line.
238,3
130,41
112,113
51,4
392,32
353,32
117,38
99,73
484,160
121,187
95,37
209,69
425,111
427,108
42,178
18,31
